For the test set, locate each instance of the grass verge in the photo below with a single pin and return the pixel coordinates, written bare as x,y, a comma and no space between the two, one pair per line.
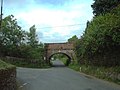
111,74
26,64
75,66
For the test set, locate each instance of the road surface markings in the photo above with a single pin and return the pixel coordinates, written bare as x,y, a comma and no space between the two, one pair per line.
23,85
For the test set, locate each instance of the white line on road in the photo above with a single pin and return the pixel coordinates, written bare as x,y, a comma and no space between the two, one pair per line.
23,85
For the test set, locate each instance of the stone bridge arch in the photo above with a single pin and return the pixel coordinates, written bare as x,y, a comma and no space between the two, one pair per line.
59,48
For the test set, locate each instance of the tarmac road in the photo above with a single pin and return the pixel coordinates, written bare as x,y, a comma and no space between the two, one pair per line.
59,78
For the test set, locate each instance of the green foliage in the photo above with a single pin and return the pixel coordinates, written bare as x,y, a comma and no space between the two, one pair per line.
11,36
4,65
110,74
32,37
98,50
61,57
100,44
73,39
104,6
15,42
26,63
106,73
75,66
64,60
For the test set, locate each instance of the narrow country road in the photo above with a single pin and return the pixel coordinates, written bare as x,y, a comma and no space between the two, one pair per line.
59,78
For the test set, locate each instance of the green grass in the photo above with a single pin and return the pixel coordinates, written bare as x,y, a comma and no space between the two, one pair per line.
4,65
26,64
74,66
105,73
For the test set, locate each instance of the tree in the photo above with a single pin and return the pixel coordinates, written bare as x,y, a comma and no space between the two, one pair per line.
32,37
11,36
100,44
73,39
104,6
15,42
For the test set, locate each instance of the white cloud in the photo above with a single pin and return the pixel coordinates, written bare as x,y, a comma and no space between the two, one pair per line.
69,14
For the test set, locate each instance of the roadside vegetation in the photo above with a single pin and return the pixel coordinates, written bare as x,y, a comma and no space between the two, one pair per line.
98,49
4,65
18,43
27,63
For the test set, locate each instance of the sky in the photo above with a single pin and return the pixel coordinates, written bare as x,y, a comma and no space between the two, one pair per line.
56,20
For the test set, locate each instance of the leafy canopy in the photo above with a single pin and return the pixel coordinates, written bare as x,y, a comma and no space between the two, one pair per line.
104,6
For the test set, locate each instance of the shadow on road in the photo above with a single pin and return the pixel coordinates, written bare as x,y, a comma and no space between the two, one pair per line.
58,66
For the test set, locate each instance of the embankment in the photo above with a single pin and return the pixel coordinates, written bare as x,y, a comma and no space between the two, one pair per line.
7,76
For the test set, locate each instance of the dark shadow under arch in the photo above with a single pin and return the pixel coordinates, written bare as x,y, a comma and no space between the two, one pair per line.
68,60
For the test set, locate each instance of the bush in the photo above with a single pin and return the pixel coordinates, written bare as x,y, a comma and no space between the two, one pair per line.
4,65
100,44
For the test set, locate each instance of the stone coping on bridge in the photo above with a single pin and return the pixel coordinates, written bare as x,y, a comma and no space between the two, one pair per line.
59,46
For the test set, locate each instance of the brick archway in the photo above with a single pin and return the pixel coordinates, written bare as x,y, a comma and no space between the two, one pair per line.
68,60
54,48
